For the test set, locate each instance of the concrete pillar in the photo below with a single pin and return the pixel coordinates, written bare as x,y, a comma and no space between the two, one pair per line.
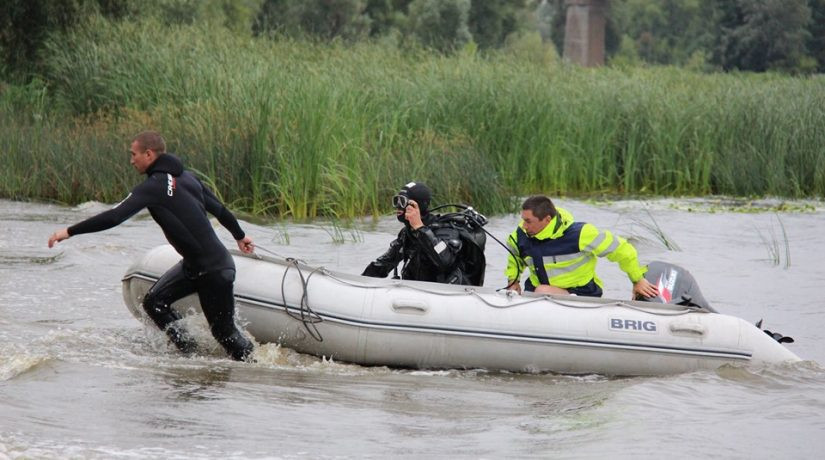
584,32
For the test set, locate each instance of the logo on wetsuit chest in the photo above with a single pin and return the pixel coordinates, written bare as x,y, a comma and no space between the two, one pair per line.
618,324
171,185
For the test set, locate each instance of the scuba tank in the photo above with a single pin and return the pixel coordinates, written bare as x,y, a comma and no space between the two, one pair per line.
468,222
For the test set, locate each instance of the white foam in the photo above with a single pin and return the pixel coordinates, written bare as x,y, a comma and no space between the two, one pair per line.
12,365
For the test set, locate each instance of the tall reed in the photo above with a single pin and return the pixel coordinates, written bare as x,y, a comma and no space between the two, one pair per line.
302,129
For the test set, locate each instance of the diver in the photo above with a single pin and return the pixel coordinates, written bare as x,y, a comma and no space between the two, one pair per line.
178,202
445,248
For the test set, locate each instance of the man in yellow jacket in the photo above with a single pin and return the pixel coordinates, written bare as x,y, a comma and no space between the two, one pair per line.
561,253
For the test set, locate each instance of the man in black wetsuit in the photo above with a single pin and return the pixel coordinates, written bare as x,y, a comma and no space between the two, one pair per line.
431,249
178,202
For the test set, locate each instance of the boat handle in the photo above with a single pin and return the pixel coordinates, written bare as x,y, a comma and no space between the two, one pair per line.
694,328
415,307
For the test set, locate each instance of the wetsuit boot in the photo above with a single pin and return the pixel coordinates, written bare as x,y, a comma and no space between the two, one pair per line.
173,285
238,346
215,291
165,319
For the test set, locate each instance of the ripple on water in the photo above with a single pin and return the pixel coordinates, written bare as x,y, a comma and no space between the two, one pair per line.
29,259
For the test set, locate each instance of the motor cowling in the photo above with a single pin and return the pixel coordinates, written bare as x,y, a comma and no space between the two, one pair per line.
676,286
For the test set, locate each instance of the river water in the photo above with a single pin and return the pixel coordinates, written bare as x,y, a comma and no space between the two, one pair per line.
81,378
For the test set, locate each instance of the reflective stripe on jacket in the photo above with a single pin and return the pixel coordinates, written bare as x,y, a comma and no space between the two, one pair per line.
563,254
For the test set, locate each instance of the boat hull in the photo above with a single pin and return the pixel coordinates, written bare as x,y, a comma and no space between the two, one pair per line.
425,325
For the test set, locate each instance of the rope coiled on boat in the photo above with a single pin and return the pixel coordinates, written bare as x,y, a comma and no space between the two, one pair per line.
310,319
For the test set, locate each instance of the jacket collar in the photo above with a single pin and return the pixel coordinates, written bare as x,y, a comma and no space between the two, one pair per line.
166,163
556,227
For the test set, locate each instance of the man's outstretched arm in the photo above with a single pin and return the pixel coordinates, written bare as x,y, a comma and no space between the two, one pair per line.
122,211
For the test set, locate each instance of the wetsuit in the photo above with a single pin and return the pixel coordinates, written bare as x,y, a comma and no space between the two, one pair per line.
431,253
178,202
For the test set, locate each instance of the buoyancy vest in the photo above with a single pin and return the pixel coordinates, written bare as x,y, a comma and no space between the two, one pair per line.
564,255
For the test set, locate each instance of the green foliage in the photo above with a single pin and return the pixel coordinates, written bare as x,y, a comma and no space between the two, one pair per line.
25,24
816,44
325,19
753,35
440,24
529,47
627,55
750,35
236,15
490,22
765,35
544,17
665,31
306,129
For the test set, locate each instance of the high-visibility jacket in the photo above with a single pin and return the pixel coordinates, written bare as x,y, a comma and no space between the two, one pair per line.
563,254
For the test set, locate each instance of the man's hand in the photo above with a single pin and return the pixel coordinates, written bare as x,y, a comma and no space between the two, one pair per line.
246,245
413,215
58,236
643,288
514,285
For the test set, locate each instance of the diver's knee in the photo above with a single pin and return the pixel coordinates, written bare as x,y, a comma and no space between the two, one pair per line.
159,311
221,277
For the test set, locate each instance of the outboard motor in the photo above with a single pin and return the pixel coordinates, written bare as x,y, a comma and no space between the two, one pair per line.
676,285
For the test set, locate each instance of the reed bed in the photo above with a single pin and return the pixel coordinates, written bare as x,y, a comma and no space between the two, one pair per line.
301,129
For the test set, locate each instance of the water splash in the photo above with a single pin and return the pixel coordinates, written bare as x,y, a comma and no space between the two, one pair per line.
14,363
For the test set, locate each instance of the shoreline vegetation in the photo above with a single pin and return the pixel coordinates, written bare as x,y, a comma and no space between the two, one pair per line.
301,129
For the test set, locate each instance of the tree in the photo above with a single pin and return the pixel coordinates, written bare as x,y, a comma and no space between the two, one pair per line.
25,24
665,31
816,43
760,35
325,19
440,24
491,21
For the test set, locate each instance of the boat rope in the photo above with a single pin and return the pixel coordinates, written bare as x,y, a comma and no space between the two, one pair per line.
471,291
309,318
305,313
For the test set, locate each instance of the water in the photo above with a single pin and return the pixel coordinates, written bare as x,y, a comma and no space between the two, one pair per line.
81,378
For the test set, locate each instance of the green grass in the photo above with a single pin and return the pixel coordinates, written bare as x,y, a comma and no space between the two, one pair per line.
772,244
300,129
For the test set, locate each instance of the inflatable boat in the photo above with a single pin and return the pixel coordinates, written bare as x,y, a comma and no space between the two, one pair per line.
412,324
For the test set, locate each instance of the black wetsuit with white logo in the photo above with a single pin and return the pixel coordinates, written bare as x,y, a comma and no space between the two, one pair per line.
178,202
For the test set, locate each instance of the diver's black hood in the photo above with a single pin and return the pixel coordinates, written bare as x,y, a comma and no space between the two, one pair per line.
166,163
420,193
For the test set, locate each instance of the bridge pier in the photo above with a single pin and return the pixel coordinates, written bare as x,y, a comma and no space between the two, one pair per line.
584,32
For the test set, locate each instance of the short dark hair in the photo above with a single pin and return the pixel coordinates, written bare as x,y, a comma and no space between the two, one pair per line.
540,206
151,140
